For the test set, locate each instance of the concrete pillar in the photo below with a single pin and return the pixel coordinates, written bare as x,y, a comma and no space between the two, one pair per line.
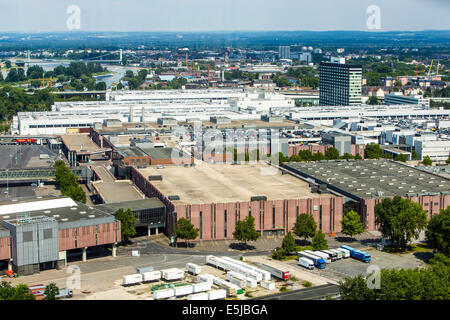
10,265
114,249
149,231
84,254
156,230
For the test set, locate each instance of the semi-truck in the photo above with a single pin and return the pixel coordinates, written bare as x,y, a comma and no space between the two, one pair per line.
359,255
282,274
339,254
132,279
64,293
319,262
323,255
345,252
307,263
332,254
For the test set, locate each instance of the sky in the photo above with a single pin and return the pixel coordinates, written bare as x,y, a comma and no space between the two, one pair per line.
224,15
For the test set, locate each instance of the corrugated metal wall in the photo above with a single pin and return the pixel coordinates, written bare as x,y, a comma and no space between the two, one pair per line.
88,236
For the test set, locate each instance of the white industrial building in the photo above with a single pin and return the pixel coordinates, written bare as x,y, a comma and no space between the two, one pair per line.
438,151
399,98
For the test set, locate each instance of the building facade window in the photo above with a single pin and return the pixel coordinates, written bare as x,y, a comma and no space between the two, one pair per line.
225,223
201,225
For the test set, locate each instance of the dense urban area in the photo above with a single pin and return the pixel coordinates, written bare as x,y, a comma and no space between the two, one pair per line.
183,168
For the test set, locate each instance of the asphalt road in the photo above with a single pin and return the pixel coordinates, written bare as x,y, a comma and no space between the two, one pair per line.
312,293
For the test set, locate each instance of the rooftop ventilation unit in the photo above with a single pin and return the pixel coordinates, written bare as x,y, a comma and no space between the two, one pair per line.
64,219
175,197
47,211
155,178
91,216
73,208
258,198
82,212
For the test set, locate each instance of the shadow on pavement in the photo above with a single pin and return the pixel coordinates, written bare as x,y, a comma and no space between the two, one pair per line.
424,256
241,246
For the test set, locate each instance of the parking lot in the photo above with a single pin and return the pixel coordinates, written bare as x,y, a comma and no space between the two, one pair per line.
339,269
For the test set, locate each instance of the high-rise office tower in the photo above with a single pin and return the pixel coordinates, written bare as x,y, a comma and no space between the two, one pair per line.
284,52
340,83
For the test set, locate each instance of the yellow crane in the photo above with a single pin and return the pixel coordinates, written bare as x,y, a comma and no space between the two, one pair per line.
437,71
431,65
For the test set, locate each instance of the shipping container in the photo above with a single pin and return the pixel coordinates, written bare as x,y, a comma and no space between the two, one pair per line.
151,276
199,296
193,268
217,294
249,282
164,293
240,283
132,279
144,269
269,285
183,290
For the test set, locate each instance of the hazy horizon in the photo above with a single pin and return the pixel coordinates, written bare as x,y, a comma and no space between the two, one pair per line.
22,16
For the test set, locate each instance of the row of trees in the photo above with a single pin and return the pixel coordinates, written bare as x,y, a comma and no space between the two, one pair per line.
21,292
430,283
306,155
67,182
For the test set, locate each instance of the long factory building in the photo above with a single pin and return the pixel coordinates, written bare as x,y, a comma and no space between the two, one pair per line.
182,106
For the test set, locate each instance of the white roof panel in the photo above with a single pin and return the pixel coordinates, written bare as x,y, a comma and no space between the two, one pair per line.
36,205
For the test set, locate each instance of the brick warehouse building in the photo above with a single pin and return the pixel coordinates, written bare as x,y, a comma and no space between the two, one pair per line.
215,197
37,234
368,182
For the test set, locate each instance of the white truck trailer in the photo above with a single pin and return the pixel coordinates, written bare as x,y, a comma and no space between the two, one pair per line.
306,263
172,274
231,266
265,274
151,276
132,279
323,255
202,287
193,268
163,293
217,294
198,296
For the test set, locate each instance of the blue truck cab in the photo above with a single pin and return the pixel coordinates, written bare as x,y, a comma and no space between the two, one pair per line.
320,263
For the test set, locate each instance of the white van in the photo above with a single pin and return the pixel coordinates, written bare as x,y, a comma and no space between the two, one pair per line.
306,263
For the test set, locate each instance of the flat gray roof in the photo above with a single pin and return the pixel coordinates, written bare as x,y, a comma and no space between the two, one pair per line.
65,214
223,183
131,152
27,156
367,178
134,205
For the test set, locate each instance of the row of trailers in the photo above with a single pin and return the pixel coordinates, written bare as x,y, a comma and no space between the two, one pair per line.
318,259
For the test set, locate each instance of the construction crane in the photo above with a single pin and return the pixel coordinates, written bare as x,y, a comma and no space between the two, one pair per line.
437,71
431,65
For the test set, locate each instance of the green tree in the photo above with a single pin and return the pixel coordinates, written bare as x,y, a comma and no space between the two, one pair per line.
305,226
400,157
19,292
448,160
185,230
414,155
438,232
400,220
127,223
332,153
347,156
319,242
374,151
7,64
245,230
51,291
288,244
351,224
373,100
356,289
427,161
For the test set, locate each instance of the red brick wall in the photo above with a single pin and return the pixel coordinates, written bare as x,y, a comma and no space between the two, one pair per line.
285,215
106,233
313,148
427,202
358,148
5,248
143,160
